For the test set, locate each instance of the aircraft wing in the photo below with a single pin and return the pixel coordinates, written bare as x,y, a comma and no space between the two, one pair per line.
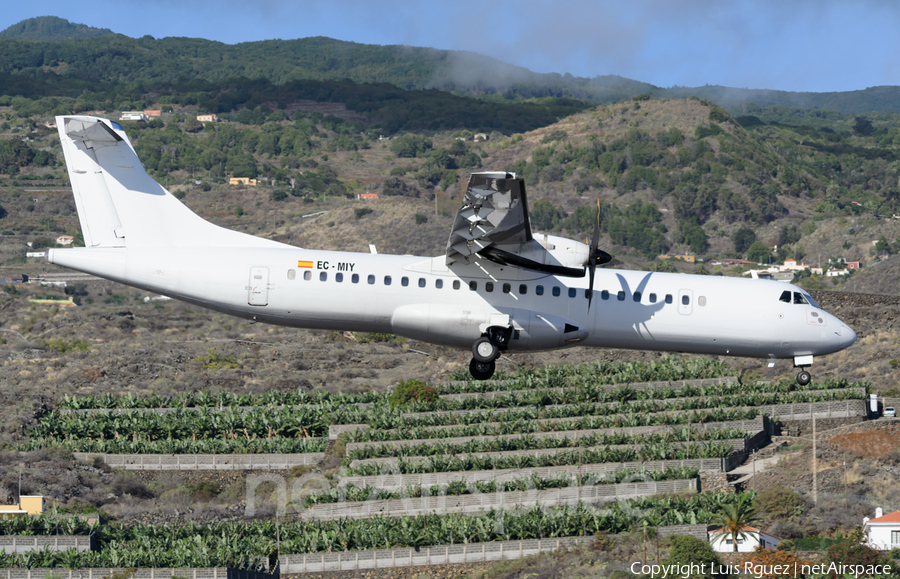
494,214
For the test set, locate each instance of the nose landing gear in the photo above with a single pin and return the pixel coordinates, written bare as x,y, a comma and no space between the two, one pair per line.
486,350
803,362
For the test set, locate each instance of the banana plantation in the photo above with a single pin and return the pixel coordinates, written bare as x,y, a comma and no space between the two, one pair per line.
255,545
606,418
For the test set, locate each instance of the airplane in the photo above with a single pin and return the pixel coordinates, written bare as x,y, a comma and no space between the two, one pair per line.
499,288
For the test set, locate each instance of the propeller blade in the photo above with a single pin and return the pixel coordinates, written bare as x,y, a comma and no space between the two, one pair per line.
592,257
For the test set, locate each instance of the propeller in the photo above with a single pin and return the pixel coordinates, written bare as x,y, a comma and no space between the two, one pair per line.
596,257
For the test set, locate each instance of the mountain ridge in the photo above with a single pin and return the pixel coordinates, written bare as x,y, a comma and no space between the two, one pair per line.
103,55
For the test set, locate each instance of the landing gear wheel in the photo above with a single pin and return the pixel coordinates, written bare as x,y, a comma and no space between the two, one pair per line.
803,378
484,351
482,370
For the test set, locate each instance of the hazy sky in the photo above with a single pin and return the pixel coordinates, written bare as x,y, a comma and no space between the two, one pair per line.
797,45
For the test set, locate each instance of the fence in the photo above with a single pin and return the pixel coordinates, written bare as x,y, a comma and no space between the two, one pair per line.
12,544
139,573
478,502
205,461
397,481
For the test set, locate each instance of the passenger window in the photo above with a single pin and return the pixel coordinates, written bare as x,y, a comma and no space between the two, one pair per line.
701,301
473,285
489,287
523,289
387,280
685,300
785,297
604,295
539,290
572,292
371,279
668,298
323,276
339,277
556,291
799,299
307,275
506,288
621,296
637,296
354,278
421,282
439,283
587,293
292,274
456,284
404,281
652,298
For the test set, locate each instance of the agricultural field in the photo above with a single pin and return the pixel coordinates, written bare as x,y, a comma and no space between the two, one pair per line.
560,451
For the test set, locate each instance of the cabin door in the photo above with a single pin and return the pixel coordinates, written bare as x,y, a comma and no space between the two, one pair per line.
258,286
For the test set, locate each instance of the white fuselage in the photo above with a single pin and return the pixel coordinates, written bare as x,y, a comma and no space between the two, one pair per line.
428,301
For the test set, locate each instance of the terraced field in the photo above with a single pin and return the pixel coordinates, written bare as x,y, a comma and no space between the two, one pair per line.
564,452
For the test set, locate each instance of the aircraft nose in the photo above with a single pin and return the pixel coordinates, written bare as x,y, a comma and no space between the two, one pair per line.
848,336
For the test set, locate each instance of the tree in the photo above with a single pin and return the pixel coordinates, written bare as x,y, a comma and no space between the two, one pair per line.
851,553
863,126
789,234
881,246
759,252
192,125
687,550
743,238
544,216
735,518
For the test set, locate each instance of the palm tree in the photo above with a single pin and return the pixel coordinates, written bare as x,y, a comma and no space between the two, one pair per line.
735,519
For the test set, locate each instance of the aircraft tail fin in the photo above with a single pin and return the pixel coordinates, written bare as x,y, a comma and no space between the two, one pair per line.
119,204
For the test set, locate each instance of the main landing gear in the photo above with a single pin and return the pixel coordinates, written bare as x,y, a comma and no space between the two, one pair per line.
487,349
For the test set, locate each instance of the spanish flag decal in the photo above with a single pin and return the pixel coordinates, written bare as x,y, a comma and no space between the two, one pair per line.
304,264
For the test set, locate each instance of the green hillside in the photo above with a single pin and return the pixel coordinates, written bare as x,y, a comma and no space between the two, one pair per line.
51,29
673,176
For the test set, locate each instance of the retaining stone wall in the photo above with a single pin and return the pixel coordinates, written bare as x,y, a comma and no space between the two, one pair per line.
204,461
447,554
139,573
739,445
397,481
479,502
437,555
675,385
23,543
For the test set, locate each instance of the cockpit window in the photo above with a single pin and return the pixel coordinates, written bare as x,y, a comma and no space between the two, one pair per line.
811,301
785,297
799,299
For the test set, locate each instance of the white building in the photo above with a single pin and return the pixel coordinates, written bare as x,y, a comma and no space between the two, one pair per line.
883,532
753,538
65,240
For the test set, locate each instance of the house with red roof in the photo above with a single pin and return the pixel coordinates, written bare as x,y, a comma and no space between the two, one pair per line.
883,532
752,539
